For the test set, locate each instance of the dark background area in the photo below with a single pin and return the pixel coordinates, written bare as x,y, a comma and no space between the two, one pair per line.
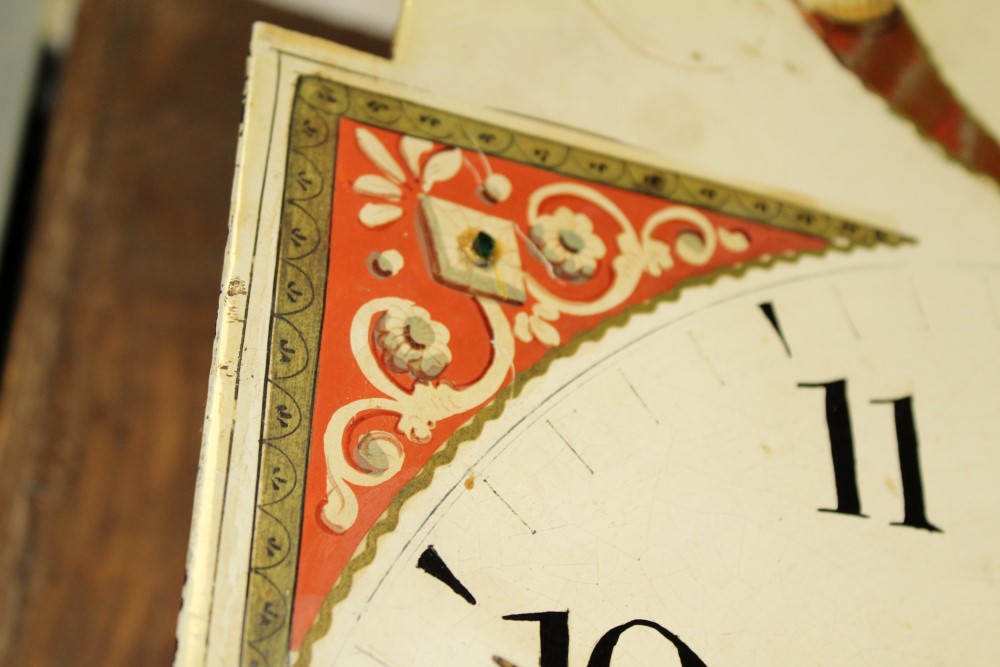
108,302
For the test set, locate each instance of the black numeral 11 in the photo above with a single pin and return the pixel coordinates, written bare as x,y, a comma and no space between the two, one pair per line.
838,421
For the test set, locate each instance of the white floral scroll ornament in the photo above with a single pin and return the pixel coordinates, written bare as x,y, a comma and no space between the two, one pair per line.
408,339
412,342
399,328
567,241
386,185
638,251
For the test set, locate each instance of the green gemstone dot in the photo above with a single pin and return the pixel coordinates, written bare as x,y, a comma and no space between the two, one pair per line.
484,245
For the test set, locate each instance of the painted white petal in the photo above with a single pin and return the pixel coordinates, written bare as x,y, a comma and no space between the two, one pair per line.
414,367
379,155
395,363
376,215
408,353
546,311
658,257
554,253
441,333
734,241
442,353
497,187
377,186
390,340
570,268
521,330
432,364
412,149
544,332
581,223
441,167
395,316
537,233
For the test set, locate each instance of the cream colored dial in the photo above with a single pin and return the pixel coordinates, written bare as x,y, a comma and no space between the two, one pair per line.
678,474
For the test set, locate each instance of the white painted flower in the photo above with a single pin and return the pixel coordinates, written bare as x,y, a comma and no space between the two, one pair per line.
567,241
412,342
536,325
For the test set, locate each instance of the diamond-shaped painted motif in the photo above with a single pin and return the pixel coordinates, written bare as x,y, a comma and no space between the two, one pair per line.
471,250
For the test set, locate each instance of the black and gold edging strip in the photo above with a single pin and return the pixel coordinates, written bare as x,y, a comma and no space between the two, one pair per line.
296,322
300,294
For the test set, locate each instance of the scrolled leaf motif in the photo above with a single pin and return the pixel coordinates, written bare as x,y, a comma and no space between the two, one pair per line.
627,266
376,215
379,453
694,249
441,166
379,155
638,254
413,149
376,458
373,185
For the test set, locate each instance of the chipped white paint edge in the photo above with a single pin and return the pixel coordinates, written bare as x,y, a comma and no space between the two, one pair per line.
223,414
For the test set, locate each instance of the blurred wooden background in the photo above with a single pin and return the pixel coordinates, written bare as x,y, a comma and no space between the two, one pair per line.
105,377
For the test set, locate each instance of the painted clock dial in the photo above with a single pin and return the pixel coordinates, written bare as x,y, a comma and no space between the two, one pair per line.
490,390
696,480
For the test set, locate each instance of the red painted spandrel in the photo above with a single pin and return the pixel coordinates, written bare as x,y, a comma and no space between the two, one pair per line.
324,554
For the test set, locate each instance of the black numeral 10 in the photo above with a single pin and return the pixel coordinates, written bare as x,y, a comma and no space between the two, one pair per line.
838,421
553,630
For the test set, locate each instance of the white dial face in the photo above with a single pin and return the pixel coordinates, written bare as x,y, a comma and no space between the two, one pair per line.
692,471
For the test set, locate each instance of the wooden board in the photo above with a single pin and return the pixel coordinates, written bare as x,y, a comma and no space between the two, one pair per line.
104,383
